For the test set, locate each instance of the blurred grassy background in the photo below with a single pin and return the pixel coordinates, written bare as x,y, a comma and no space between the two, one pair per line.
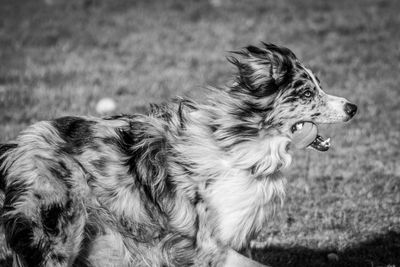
59,57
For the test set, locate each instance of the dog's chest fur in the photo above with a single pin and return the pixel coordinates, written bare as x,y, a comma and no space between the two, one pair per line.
242,204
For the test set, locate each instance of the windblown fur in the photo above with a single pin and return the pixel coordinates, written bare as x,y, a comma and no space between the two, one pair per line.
182,186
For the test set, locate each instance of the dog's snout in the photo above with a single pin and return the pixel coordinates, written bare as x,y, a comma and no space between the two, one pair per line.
350,109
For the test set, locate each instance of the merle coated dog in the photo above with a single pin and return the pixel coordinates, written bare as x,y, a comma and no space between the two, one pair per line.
186,185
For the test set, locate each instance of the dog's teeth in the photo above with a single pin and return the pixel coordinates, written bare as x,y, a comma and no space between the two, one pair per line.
327,142
299,126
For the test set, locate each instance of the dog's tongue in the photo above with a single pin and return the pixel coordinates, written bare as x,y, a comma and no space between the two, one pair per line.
321,144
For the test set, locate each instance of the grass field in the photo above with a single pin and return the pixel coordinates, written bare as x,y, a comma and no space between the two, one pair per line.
59,57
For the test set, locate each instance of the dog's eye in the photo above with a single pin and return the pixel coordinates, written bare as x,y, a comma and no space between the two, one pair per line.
307,93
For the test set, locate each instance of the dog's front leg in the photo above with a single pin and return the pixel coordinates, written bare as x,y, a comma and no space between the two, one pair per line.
234,259
224,257
214,253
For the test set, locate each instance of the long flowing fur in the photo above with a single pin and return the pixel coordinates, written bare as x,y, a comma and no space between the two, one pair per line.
182,186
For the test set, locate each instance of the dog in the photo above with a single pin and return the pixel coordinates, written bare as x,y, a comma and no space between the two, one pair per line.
189,184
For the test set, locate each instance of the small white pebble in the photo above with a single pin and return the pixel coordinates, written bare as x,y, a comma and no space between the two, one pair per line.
49,2
216,3
333,257
105,105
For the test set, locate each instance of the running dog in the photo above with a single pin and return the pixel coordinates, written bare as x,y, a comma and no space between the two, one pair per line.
187,185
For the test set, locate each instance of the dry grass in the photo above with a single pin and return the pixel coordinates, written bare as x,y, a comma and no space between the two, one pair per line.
62,58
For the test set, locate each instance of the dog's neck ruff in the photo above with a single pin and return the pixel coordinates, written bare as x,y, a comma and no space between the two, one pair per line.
262,157
218,135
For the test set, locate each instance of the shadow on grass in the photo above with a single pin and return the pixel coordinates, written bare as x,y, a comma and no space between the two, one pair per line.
383,250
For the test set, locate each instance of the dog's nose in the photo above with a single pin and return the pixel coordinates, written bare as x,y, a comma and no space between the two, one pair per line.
350,109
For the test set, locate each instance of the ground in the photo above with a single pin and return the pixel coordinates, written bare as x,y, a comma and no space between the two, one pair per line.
59,57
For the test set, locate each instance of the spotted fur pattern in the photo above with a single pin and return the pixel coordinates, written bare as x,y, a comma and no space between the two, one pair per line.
182,186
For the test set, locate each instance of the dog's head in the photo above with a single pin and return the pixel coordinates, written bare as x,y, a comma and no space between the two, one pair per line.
284,92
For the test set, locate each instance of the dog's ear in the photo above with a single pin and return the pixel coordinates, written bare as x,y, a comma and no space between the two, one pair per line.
263,70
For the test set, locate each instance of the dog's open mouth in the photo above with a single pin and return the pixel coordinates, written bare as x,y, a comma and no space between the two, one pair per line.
310,137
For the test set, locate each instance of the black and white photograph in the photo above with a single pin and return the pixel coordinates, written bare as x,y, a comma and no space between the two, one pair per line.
204,133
